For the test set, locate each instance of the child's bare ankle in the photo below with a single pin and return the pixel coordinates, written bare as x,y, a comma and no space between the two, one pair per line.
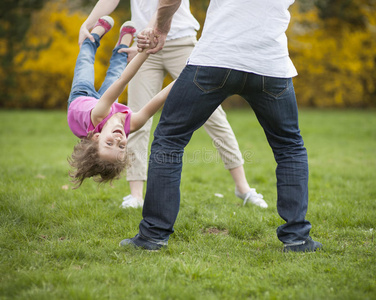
126,39
103,26
126,33
99,30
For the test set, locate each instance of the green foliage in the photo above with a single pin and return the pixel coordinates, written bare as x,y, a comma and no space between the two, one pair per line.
58,243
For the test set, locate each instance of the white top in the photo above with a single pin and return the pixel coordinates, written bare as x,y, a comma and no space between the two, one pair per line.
183,23
246,35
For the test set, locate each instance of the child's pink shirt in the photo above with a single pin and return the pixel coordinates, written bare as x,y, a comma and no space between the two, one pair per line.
79,116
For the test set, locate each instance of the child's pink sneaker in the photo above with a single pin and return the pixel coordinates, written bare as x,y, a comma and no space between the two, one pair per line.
127,28
106,22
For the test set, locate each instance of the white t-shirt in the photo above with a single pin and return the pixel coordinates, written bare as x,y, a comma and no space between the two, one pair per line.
183,23
246,35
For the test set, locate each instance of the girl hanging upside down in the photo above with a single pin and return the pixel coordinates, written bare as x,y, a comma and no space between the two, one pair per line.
101,123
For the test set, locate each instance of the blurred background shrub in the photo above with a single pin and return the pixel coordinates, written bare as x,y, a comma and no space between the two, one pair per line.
332,44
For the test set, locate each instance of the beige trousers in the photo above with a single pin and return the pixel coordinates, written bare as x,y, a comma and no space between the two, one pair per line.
147,83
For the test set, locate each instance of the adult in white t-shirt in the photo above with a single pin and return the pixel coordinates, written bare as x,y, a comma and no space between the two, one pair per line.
242,50
148,81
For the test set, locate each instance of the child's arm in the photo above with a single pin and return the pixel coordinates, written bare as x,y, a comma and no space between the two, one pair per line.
138,119
103,106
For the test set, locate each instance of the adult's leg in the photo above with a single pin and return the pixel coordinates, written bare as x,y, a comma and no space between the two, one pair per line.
146,84
83,79
219,129
187,107
274,103
217,126
141,89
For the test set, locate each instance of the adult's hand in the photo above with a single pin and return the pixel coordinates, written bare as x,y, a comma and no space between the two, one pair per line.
132,51
102,8
162,24
84,34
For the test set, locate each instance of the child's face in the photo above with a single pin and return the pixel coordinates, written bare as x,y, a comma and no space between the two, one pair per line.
112,141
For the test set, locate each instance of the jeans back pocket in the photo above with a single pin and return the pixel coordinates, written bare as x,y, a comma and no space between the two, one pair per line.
209,79
274,86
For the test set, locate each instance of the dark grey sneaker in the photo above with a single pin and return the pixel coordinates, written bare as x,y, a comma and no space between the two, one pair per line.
141,242
308,245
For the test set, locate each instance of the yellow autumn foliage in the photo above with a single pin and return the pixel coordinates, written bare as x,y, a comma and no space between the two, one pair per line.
335,62
49,71
336,65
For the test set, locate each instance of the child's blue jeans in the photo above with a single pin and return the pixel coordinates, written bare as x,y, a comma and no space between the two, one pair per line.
83,79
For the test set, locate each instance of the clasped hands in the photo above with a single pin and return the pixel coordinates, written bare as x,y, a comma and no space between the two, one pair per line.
150,39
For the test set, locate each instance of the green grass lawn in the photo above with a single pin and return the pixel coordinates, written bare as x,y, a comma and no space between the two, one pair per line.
59,243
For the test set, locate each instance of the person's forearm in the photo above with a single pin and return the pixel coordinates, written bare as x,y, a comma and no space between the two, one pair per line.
165,12
102,8
103,106
155,41
157,101
139,118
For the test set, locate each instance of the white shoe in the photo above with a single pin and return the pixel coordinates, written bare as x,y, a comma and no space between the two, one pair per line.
130,201
253,197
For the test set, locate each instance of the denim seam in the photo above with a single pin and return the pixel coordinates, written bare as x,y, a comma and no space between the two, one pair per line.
245,76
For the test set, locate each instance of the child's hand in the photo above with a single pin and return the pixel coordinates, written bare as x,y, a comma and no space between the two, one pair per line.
132,51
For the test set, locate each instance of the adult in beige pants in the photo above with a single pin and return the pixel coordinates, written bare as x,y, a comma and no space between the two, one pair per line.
148,82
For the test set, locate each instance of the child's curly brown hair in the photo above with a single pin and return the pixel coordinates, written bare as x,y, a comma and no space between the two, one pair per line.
87,163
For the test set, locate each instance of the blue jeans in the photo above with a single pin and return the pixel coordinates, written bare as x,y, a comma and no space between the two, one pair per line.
83,79
195,95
